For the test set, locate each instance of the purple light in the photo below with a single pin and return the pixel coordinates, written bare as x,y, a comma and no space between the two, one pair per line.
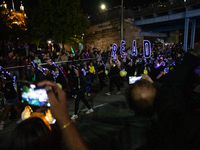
157,66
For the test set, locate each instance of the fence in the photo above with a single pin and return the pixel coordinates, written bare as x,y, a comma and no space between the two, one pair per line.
43,64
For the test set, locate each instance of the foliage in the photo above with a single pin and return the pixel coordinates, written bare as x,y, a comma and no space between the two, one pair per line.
59,20
3,28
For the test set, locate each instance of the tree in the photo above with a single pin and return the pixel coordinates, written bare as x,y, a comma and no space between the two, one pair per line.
59,20
4,30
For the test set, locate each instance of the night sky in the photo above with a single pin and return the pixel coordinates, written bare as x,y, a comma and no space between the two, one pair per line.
89,7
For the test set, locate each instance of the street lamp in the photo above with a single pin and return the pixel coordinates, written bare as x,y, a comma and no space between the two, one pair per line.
103,6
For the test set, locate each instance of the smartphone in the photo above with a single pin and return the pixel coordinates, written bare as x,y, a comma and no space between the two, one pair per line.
197,89
133,79
31,94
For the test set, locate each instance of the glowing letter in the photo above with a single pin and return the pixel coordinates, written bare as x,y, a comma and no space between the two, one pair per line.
146,48
114,50
134,48
122,48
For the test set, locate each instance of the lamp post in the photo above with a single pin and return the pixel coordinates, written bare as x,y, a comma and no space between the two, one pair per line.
122,20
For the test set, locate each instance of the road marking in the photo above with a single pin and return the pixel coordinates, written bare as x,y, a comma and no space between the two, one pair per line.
92,107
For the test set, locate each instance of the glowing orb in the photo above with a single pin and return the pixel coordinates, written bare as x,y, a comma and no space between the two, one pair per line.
106,72
123,73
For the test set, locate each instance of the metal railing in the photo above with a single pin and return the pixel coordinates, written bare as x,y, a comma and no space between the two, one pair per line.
43,64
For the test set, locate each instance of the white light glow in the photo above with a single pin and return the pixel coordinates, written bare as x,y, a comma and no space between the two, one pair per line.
103,6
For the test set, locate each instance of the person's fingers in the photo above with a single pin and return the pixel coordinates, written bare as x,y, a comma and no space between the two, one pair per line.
60,94
51,95
49,83
143,76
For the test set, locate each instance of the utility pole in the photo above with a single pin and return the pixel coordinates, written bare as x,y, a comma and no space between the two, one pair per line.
122,20
13,5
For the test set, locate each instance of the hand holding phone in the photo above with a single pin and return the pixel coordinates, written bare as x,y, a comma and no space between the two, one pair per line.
57,99
31,94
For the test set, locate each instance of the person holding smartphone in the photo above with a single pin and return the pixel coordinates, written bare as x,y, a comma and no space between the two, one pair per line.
33,133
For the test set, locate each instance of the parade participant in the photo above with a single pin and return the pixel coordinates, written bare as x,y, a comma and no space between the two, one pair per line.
101,74
157,71
114,75
86,68
60,77
49,76
51,66
79,84
140,66
131,69
10,95
38,72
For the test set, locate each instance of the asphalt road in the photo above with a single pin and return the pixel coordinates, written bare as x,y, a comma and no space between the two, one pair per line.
104,129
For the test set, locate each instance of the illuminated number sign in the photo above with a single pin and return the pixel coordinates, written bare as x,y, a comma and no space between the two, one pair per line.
134,48
114,50
146,48
122,47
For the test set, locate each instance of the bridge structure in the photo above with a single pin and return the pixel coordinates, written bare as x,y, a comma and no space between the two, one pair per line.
158,21
155,20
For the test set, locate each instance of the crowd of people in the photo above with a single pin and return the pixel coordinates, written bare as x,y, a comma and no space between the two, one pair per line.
77,71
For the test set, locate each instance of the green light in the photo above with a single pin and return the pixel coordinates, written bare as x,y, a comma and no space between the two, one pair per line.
72,50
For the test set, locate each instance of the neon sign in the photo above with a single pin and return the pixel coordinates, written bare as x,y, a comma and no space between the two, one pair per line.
114,50
146,48
134,49
122,47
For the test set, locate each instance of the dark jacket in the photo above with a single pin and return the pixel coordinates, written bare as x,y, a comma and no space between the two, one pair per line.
9,90
80,81
101,75
179,124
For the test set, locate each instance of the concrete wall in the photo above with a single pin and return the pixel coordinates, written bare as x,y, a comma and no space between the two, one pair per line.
132,33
